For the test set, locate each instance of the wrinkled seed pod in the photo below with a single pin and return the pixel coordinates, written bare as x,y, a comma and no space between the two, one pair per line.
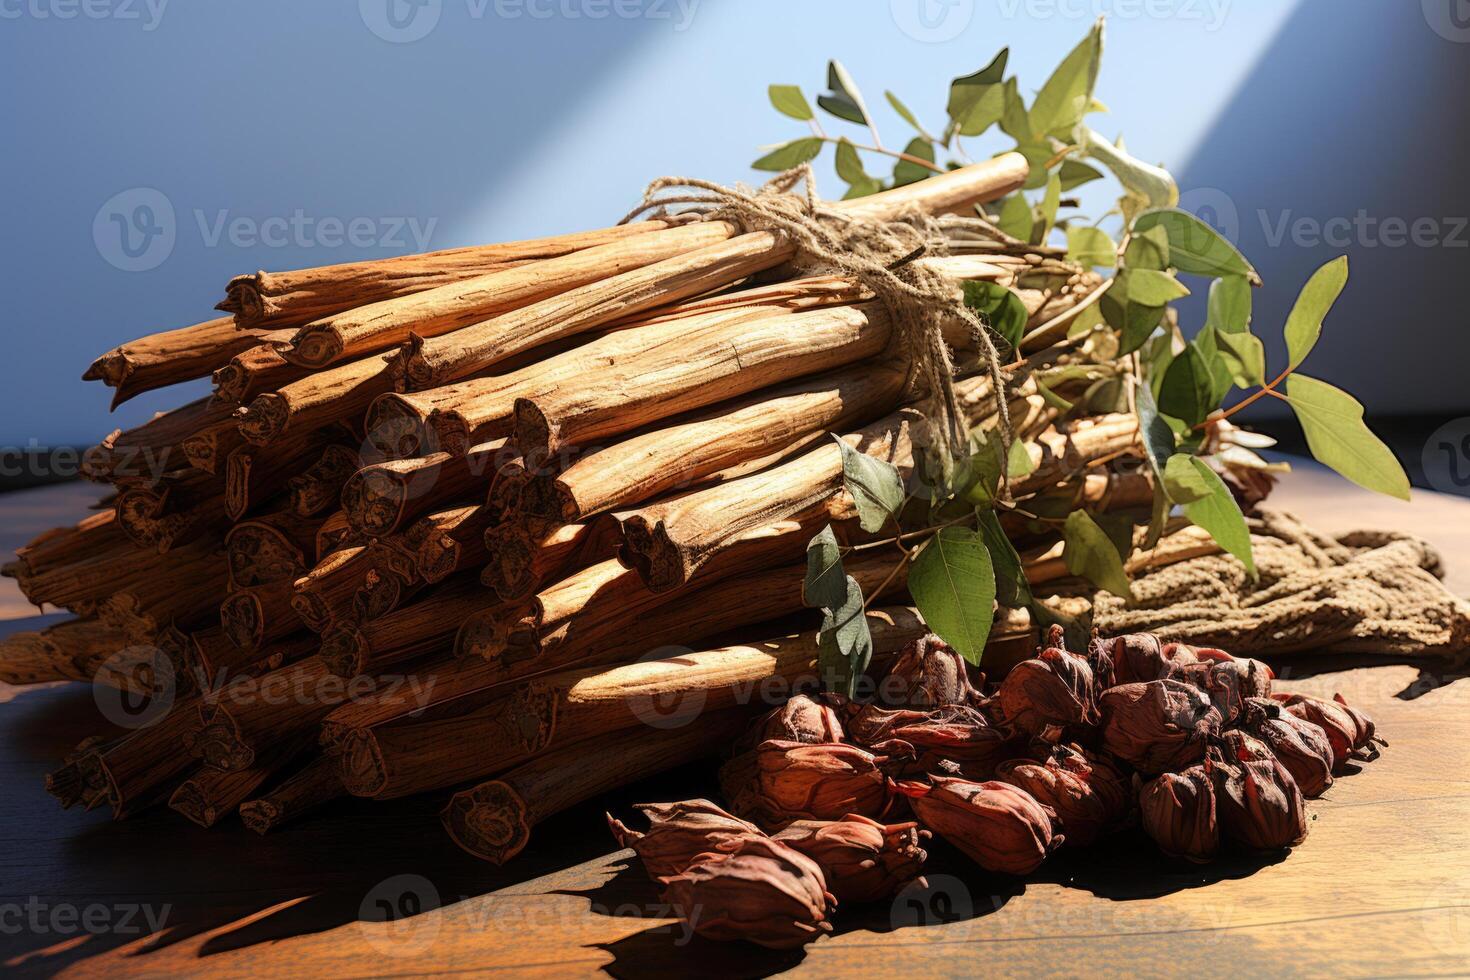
1261,810
678,833
780,782
1142,657
801,719
862,860
999,826
1090,800
1300,746
762,891
1367,732
957,733
928,673
1226,682
1053,691
1339,727
1178,811
1158,726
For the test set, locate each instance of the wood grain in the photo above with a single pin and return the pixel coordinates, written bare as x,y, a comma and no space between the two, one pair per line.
1380,887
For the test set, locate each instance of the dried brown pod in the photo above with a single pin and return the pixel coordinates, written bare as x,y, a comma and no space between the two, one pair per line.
1091,798
1142,657
761,891
1260,806
957,733
680,832
1001,827
800,719
928,673
1178,811
1157,726
862,860
1301,746
1227,681
1334,720
1367,731
1050,693
780,782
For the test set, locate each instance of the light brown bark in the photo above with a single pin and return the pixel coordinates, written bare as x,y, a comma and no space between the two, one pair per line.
171,357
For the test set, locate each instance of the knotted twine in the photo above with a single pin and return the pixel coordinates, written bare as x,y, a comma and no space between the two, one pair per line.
880,255
1375,592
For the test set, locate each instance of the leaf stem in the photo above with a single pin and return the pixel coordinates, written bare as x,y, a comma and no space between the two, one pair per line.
1268,389
907,557
899,154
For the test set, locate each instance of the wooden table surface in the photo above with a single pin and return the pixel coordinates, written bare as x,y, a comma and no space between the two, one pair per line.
1381,887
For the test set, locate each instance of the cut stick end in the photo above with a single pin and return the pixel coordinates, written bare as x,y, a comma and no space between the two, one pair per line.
263,419
360,764
489,821
535,432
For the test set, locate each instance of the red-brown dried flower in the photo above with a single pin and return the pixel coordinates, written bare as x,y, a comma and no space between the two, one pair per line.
801,719
1090,798
956,732
862,860
1260,807
1142,657
1367,732
1301,746
679,832
1000,826
1178,811
780,782
1049,693
1339,727
762,891
1157,726
928,673
1226,682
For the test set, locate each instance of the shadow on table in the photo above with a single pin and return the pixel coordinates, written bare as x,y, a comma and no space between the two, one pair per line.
1434,673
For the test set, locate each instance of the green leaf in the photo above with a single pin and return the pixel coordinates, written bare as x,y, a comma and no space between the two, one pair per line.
906,171
844,100
1149,287
980,477
1011,588
844,645
1089,552
1001,309
1304,324
1015,217
1037,155
789,155
826,583
1088,246
788,100
1015,121
1207,341
1147,250
1158,438
905,113
1230,304
1333,422
953,585
876,487
1153,186
849,164
977,102
1134,321
1188,388
1067,94
1075,173
1159,520
1050,201
1195,247
1053,399
869,185
1244,356
1209,503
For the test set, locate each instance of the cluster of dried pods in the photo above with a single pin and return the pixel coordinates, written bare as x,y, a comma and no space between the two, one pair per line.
1189,743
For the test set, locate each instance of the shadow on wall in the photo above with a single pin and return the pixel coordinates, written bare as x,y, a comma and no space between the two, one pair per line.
1348,138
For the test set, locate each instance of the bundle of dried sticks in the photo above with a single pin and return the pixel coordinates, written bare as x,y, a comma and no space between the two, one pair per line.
441,508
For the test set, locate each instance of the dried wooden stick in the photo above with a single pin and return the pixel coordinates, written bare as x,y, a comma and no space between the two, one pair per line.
433,362
313,786
163,518
685,451
416,630
255,474
168,358
524,557
338,393
65,547
278,299
254,617
276,547
211,794
256,370
139,770
431,313
318,488
148,451
452,541
68,651
216,660
381,498
493,821
243,719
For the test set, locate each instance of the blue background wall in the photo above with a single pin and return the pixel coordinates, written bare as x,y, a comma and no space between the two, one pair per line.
501,122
